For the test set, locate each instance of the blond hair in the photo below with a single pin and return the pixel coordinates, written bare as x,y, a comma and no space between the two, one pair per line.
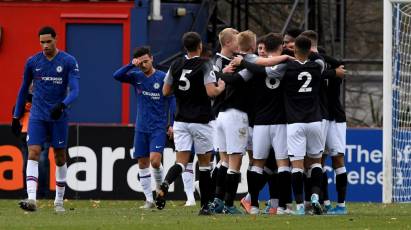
227,35
246,40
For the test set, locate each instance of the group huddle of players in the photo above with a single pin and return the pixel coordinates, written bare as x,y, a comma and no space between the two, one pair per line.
282,107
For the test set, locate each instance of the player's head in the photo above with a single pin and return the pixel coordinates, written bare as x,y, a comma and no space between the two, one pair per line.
289,38
261,50
47,37
302,46
228,39
273,43
192,42
143,54
313,36
247,41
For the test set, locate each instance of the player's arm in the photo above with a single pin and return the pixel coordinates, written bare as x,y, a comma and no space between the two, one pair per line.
236,78
125,73
277,71
271,61
168,84
171,110
21,98
210,80
24,89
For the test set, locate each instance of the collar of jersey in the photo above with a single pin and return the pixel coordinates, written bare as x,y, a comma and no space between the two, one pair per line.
186,56
225,57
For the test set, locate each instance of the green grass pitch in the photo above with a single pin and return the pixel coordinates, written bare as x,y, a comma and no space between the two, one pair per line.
108,214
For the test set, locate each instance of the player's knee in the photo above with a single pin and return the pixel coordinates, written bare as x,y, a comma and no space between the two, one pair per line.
338,161
34,152
155,163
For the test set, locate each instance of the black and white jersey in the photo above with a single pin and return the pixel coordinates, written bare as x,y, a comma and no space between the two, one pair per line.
301,83
323,90
219,63
188,78
268,96
236,91
335,106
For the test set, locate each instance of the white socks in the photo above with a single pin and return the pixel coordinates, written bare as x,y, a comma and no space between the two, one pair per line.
61,173
158,176
32,174
188,181
145,181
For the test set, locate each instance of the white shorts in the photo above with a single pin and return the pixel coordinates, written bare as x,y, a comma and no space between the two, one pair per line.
213,124
232,131
267,136
187,133
250,139
325,124
336,138
305,138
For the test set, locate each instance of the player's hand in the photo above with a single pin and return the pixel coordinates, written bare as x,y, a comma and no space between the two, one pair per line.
135,62
340,71
229,69
16,127
57,111
170,132
237,60
221,84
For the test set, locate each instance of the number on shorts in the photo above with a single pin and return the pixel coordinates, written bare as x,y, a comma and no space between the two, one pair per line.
304,88
186,84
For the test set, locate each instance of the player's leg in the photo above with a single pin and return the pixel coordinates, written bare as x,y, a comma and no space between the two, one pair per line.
324,198
59,137
37,132
157,142
141,153
315,148
188,182
222,166
279,144
183,142
236,131
246,201
341,184
203,145
255,175
337,150
296,144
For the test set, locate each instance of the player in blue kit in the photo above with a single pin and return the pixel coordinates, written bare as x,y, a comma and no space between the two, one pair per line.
51,72
152,116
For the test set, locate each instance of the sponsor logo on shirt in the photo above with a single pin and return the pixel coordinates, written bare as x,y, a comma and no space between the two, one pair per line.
156,85
154,96
55,80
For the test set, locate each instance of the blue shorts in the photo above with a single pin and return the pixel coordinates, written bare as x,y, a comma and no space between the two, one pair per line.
145,143
55,132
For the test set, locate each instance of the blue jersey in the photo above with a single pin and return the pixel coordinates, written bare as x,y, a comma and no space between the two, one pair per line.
152,106
51,80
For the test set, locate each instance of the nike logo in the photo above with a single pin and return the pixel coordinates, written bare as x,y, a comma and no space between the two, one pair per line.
157,147
61,142
38,69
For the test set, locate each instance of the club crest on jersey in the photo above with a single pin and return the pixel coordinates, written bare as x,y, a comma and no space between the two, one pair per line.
156,85
59,69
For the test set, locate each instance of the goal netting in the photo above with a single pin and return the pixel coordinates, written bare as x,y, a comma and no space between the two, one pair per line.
397,101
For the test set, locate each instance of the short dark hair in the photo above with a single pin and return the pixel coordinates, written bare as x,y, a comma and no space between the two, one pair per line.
47,30
294,32
261,40
191,41
141,51
303,44
273,41
312,35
